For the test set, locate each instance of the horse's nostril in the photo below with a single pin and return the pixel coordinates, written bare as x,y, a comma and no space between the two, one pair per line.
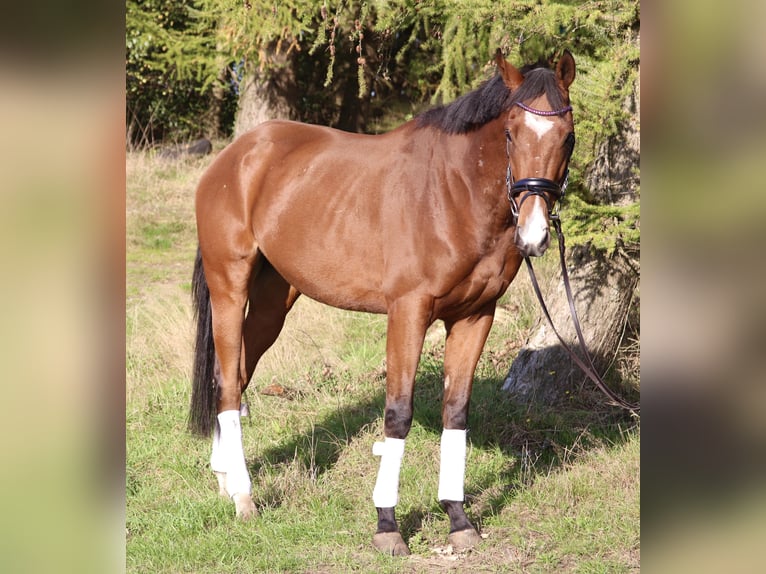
534,248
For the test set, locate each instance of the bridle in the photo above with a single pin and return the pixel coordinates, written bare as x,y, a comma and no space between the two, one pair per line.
552,192
549,190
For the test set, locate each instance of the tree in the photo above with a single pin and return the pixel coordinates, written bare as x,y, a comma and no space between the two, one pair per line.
173,76
330,63
362,59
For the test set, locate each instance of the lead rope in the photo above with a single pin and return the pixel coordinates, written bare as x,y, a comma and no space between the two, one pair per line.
589,369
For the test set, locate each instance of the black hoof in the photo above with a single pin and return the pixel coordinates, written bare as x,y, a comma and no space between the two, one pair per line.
390,543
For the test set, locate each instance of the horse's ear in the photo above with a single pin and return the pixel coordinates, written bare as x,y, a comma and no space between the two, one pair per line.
511,76
565,69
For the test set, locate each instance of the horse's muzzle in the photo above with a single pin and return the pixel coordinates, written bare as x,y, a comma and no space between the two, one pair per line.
533,235
533,243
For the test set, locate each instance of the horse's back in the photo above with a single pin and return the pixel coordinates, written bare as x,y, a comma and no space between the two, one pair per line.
310,199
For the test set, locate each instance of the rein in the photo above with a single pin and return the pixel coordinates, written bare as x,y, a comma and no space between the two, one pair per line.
588,368
552,192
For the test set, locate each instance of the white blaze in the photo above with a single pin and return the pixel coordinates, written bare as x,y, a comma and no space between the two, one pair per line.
538,124
535,226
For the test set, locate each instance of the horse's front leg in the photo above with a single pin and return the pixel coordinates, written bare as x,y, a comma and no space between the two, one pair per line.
465,341
407,323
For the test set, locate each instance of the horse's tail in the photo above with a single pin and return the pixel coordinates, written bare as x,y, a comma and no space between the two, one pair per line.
202,412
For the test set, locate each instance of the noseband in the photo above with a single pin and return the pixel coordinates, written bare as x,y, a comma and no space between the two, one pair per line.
549,190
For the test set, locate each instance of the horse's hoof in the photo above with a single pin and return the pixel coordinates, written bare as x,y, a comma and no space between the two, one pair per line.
390,543
464,539
245,506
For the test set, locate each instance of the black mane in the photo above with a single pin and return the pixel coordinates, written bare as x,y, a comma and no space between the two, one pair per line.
475,109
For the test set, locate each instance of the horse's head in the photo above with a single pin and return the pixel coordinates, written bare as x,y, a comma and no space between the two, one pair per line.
539,138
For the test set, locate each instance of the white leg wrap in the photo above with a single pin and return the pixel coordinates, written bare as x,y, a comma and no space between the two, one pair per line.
391,452
452,465
228,455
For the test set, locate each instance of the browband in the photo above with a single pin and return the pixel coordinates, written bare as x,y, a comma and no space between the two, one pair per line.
544,113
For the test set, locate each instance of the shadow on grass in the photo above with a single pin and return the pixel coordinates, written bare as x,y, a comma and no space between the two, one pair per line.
536,439
318,447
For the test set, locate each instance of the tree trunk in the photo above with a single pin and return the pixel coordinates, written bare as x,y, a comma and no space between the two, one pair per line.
604,288
267,94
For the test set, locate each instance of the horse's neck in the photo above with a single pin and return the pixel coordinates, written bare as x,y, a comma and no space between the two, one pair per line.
483,160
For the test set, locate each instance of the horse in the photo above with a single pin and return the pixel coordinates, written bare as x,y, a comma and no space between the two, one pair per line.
427,222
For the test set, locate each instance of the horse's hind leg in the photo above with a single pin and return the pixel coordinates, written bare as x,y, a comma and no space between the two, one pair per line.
270,298
228,281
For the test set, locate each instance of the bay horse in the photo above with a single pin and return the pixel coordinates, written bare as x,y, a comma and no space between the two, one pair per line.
429,221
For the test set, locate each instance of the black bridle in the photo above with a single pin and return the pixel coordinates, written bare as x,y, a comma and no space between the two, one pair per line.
552,192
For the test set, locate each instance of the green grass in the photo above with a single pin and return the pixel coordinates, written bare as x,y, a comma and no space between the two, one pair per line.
552,489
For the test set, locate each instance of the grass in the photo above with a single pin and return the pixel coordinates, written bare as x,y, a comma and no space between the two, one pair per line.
553,490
